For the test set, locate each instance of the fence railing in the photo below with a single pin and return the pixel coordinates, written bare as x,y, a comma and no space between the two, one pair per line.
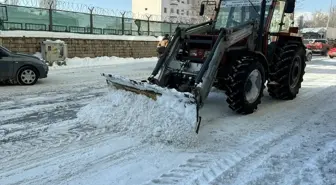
40,19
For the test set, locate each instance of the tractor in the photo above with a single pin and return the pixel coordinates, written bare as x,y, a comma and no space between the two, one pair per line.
248,45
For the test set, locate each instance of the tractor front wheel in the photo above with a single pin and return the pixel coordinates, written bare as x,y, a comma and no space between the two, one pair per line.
245,85
286,75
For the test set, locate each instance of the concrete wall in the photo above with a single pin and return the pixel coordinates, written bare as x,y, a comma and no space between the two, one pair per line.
85,47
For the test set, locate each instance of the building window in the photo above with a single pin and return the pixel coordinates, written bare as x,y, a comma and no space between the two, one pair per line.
165,10
188,2
172,10
178,11
187,12
146,9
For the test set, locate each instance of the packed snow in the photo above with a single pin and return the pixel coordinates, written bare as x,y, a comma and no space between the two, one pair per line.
65,35
70,128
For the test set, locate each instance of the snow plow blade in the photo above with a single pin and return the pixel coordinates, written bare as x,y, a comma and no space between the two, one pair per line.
154,92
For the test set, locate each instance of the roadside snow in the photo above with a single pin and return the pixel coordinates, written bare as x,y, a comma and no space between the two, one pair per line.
77,62
63,35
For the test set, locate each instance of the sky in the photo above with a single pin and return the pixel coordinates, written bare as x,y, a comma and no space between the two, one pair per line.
307,5
315,5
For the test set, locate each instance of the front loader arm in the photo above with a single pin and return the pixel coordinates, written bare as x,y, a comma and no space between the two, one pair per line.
174,44
208,72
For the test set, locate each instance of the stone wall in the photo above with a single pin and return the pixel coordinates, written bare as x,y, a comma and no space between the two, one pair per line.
85,47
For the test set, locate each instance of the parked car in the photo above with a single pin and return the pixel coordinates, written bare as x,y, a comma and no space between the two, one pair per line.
320,46
21,68
309,54
332,53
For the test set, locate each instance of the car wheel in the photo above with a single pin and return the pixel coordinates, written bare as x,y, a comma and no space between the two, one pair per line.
27,76
309,57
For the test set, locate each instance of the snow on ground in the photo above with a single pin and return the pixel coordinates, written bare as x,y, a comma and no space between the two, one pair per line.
63,131
64,35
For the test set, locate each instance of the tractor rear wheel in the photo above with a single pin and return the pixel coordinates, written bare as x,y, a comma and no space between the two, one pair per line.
286,75
245,85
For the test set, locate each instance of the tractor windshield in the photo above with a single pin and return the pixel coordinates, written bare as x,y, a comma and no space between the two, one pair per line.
236,12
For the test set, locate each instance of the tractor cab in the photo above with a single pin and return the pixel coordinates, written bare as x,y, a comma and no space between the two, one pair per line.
228,14
235,14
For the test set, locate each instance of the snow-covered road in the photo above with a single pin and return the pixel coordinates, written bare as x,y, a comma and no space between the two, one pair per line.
44,140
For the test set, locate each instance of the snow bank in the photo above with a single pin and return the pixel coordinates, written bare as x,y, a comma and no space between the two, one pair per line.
98,61
167,120
61,35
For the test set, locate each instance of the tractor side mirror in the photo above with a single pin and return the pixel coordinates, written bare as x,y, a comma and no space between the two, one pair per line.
202,10
290,6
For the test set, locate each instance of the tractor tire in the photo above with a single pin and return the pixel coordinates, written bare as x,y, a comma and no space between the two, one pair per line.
286,75
245,85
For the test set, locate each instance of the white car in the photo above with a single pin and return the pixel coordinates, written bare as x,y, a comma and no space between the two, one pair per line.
309,54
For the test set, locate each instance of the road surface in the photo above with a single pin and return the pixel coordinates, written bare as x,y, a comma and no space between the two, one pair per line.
43,141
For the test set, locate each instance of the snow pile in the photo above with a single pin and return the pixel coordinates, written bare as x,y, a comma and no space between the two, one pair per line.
167,120
98,61
64,35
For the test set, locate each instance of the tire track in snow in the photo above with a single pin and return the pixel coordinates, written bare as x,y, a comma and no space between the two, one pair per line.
48,139
48,147
24,136
27,126
276,163
192,165
215,166
321,168
225,175
270,153
24,113
68,84
28,131
112,159
54,160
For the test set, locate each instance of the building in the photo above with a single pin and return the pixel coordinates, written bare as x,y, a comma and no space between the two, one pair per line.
179,11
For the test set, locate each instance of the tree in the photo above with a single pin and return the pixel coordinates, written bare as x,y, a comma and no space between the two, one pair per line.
332,20
300,21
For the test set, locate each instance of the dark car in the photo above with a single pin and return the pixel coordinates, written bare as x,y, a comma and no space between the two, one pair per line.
21,68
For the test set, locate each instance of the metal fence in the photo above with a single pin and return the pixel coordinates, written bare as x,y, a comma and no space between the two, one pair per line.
14,17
